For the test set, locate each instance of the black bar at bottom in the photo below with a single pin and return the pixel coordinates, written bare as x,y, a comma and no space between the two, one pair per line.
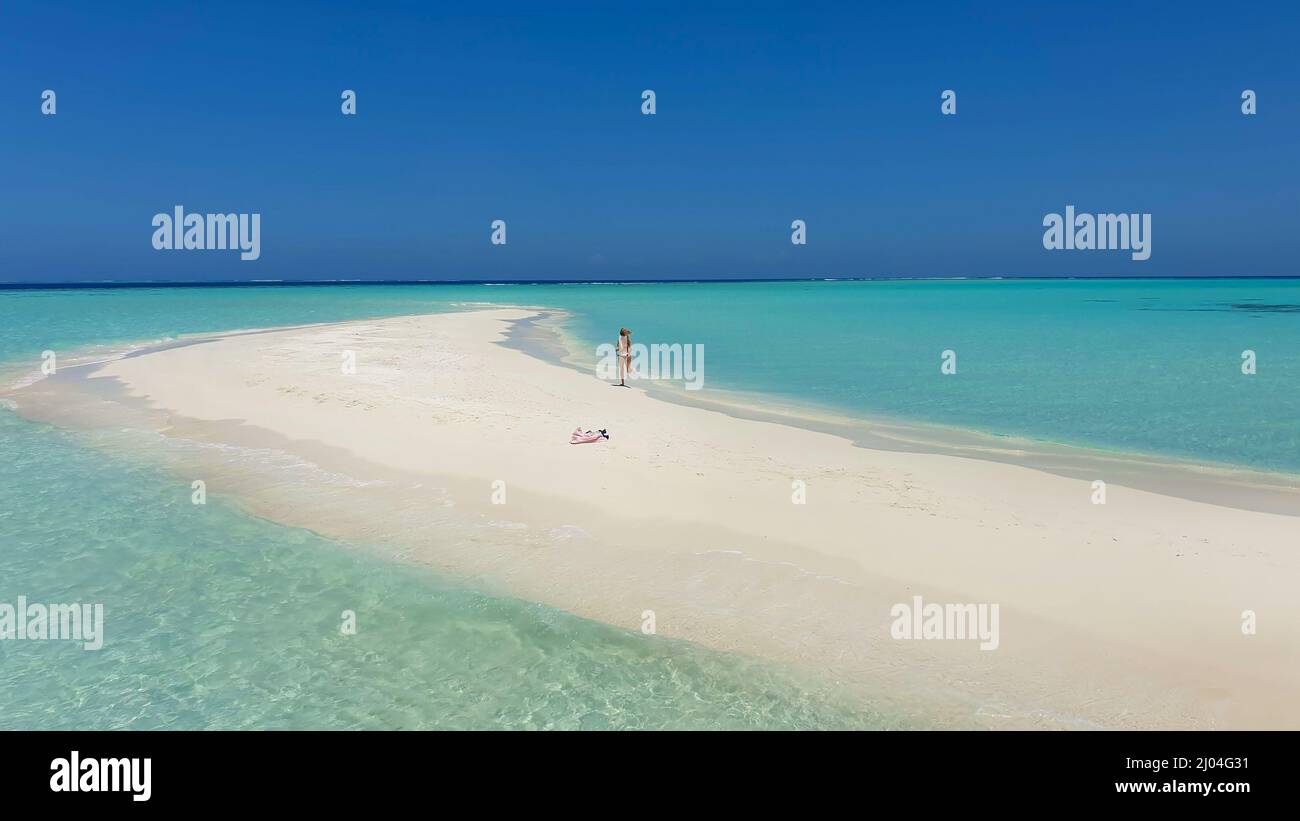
333,770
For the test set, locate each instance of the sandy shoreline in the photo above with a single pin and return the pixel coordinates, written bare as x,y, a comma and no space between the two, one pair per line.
1126,614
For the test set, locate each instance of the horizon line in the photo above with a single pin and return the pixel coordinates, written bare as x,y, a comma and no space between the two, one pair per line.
252,283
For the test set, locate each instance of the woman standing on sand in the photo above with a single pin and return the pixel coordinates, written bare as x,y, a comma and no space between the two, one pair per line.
624,355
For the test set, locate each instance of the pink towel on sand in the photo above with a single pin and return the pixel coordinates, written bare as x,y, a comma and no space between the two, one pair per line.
581,437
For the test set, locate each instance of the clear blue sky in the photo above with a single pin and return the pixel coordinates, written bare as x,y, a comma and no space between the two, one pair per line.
828,113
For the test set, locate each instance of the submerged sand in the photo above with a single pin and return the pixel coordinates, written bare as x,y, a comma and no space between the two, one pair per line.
448,448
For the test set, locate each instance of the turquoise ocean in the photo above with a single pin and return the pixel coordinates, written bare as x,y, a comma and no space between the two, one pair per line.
234,624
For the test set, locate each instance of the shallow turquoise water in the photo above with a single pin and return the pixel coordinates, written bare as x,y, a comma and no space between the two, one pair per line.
1142,365
216,619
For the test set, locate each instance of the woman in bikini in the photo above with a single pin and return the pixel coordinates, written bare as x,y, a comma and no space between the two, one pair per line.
624,355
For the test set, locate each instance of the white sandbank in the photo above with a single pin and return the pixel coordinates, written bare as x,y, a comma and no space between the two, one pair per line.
1127,614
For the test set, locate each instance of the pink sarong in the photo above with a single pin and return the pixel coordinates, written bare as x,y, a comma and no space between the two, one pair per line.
581,437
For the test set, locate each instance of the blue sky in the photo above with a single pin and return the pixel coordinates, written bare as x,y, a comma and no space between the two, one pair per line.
826,113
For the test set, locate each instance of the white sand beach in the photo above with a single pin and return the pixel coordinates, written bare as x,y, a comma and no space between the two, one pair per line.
1127,614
